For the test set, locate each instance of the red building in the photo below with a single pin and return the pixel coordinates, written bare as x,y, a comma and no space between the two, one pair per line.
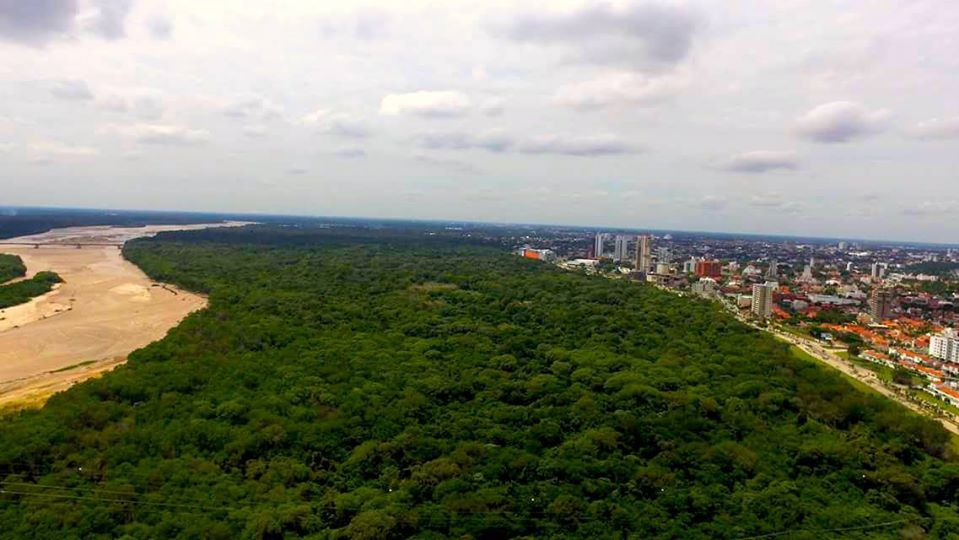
712,269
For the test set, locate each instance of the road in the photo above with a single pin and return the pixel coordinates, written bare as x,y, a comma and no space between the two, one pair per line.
815,350
864,376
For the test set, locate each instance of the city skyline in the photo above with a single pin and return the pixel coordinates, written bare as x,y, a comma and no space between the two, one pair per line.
634,230
684,113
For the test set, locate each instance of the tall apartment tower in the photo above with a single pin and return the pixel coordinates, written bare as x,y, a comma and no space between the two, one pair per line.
644,253
619,250
663,255
762,305
878,270
880,305
773,271
945,346
598,245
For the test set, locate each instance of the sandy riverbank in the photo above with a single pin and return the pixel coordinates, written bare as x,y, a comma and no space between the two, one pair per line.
105,309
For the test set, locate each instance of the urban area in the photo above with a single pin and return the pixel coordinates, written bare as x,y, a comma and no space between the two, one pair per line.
884,314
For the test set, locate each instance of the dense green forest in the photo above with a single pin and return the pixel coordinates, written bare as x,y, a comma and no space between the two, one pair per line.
349,383
11,267
19,292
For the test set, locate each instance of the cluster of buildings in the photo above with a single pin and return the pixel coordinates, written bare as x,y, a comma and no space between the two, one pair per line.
940,367
899,302
642,251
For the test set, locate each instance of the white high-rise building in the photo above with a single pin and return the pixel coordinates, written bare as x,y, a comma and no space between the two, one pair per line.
644,253
762,305
620,248
878,270
945,346
598,246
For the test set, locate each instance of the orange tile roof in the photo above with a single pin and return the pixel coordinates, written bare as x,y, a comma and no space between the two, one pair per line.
946,389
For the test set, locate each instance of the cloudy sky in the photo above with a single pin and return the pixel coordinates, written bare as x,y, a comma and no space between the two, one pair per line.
796,116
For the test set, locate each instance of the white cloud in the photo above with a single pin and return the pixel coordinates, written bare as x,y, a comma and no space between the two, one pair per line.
71,90
350,152
648,34
143,103
499,142
36,22
440,103
160,27
759,161
775,201
936,128
933,208
254,131
454,165
492,107
841,121
493,141
712,203
621,88
577,145
768,200
336,123
365,25
48,151
162,134
253,107
106,18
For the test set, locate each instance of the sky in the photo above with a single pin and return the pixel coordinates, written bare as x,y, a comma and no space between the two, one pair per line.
807,117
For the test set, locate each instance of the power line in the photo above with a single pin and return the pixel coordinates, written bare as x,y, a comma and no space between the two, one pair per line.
837,529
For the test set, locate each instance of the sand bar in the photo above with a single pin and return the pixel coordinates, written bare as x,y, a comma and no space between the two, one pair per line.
105,309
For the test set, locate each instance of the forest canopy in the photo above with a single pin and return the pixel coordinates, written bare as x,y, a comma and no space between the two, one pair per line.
355,383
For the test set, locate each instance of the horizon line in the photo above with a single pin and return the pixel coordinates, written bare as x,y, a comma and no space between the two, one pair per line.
596,228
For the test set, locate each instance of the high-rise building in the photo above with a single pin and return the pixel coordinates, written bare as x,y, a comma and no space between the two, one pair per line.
773,271
878,270
663,255
843,245
762,304
620,247
945,346
644,253
712,269
689,266
598,245
880,305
